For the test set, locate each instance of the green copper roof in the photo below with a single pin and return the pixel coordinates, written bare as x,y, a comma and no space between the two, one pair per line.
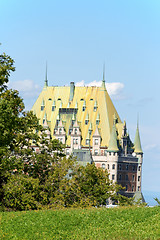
137,142
112,147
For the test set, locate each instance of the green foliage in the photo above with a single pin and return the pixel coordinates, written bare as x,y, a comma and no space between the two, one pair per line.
6,67
20,193
118,223
33,180
157,200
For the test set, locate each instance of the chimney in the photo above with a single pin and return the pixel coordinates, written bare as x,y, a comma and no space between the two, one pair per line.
71,91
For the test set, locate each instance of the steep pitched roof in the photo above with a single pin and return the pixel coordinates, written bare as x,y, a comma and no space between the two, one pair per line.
113,147
88,95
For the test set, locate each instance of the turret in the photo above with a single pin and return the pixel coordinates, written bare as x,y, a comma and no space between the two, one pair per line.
112,154
137,142
113,146
139,154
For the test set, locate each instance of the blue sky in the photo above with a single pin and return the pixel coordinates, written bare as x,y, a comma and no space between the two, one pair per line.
76,38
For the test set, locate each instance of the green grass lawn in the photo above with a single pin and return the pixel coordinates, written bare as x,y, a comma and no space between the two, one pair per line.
117,223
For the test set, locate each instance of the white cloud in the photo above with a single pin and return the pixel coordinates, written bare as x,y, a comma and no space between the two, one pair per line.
114,89
26,87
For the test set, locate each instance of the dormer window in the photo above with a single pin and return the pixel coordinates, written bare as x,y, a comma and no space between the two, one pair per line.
70,131
84,106
95,106
60,131
95,109
87,141
86,122
55,130
53,108
42,105
97,122
96,141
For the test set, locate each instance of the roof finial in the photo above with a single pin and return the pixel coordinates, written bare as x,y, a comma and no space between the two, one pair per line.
46,81
137,120
103,81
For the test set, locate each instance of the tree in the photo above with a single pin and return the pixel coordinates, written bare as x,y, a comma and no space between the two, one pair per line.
6,67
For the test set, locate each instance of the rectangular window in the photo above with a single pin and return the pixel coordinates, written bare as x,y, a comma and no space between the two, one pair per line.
133,188
133,168
76,140
127,177
75,131
139,168
120,177
42,108
105,152
96,152
67,151
138,188
133,178
53,108
108,166
113,176
60,131
103,165
97,122
127,167
120,167
95,109
139,178
87,141
126,187
86,122
113,166
96,141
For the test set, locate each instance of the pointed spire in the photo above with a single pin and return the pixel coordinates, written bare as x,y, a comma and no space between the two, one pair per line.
124,130
103,81
96,133
73,117
76,105
54,103
68,105
113,147
137,141
90,128
43,102
87,117
46,81
61,105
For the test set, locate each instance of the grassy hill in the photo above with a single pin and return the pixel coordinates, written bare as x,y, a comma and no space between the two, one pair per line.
117,223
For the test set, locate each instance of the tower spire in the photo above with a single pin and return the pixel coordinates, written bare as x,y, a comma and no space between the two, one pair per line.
113,146
103,81
137,141
46,80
